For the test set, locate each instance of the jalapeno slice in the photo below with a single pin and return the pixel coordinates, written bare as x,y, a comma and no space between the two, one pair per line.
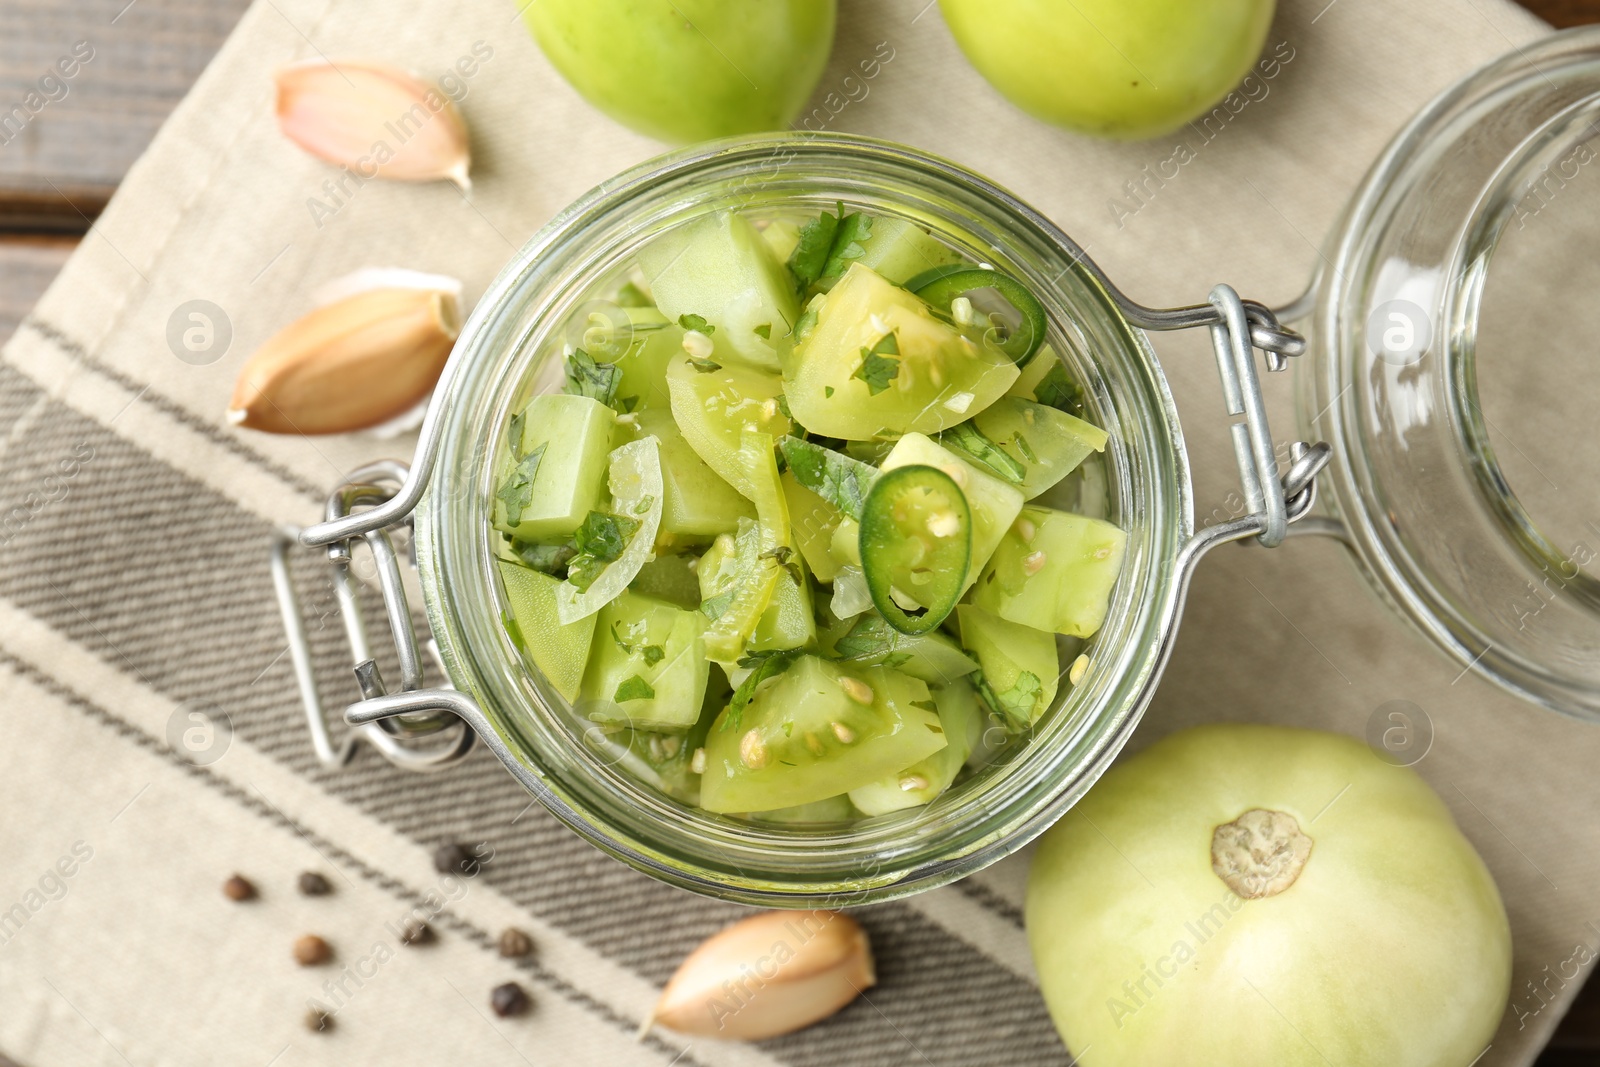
916,546
1019,339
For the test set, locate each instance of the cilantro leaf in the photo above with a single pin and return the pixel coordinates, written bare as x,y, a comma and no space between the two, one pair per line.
764,331
704,366
634,688
715,606
514,433
880,364
598,541
517,492
836,478
585,377
1056,389
546,558
696,323
848,243
870,636
976,444
1016,704
810,253
769,665
653,654
827,391
805,324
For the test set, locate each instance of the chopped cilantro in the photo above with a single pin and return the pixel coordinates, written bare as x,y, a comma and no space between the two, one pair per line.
1016,704
869,636
880,364
714,607
767,665
805,324
585,377
848,243
627,404
1056,389
704,366
514,433
764,331
634,688
827,391
653,654
546,558
517,492
925,705
810,253
598,541
836,478
976,444
696,323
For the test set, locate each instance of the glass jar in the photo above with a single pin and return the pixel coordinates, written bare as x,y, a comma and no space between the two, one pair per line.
1462,476
1392,383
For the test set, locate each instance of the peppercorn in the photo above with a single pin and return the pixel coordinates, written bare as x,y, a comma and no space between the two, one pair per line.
416,932
514,943
311,950
508,999
318,1021
313,884
238,888
454,859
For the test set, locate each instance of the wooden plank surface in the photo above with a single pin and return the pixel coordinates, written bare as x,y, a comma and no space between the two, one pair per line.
63,153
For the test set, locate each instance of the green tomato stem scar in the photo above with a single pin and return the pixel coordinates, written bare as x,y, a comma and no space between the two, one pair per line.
1260,854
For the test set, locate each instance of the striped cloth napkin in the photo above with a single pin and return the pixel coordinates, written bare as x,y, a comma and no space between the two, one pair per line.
134,591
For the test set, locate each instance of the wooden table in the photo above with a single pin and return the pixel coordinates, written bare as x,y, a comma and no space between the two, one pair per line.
58,171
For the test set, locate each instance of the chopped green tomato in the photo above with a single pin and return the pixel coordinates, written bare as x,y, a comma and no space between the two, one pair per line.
815,731
1028,444
699,503
1020,667
781,236
652,340
1053,570
713,408
844,382
900,250
994,504
574,433
916,546
1018,320
871,641
636,493
558,651
786,622
812,521
962,719
834,809
670,577
838,479
720,268
648,669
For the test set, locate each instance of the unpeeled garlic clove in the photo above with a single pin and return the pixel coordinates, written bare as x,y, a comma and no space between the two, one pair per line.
353,363
767,975
378,120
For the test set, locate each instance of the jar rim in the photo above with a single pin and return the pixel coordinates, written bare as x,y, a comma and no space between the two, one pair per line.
885,856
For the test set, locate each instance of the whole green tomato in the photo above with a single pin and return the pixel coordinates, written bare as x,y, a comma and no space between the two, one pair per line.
1114,68
689,70
1263,896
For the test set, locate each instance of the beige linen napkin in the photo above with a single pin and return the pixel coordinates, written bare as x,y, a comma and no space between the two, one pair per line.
133,589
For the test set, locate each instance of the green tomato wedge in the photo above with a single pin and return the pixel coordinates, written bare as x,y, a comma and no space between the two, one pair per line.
870,640
648,668
916,546
637,493
753,589
962,719
1055,571
713,405
559,651
1021,665
812,521
814,731
1020,329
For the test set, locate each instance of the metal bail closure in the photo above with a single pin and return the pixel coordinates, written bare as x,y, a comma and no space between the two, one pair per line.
423,733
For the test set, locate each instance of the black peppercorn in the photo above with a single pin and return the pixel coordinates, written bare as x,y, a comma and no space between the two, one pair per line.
311,950
508,999
313,884
238,888
514,943
454,859
318,1021
416,932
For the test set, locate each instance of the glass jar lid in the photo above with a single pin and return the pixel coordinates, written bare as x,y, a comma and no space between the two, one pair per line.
1452,373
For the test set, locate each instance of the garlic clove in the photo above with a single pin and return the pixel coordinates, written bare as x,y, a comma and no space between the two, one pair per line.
770,974
376,119
348,365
